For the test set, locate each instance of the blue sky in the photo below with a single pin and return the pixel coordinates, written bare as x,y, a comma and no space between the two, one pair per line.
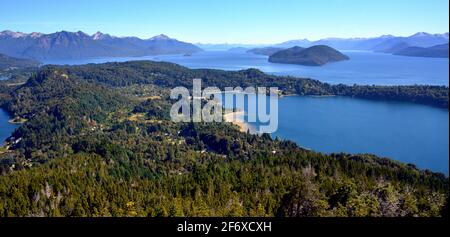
232,21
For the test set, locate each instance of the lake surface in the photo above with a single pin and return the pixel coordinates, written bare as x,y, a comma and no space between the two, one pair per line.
365,68
6,128
410,133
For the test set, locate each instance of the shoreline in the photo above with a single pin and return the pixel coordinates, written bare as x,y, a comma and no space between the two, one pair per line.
235,118
17,121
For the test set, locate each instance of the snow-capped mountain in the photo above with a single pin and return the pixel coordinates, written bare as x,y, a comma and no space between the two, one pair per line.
78,45
382,43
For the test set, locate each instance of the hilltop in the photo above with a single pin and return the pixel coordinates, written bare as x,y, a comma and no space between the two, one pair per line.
379,44
313,56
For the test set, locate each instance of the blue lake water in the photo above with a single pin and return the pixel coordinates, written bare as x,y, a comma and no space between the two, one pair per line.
406,132
410,133
363,67
6,128
402,131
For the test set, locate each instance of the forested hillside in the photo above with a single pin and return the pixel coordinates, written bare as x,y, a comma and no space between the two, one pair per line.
11,67
170,75
97,140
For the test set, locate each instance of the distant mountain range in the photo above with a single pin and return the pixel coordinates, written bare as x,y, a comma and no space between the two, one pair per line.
79,45
317,55
384,43
380,44
339,43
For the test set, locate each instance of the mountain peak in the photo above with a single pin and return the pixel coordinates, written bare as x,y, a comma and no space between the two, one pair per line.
421,34
160,37
12,34
297,48
99,36
35,35
81,33
78,33
6,32
386,36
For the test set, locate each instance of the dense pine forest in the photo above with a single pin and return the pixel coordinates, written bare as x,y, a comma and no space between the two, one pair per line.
97,140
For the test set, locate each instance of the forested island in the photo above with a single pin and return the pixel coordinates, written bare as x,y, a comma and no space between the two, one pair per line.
97,140
317,55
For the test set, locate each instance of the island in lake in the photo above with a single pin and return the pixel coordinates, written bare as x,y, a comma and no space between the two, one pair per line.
313,56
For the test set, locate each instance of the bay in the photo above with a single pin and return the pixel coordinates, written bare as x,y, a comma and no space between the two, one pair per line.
6,128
